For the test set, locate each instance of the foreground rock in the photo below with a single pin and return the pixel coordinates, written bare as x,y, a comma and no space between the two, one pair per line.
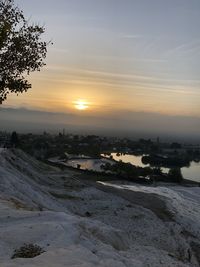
79,223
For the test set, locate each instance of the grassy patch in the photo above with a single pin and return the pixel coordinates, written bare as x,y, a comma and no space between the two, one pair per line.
28,251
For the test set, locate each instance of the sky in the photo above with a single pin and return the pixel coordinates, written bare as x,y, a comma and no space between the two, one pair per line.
117,58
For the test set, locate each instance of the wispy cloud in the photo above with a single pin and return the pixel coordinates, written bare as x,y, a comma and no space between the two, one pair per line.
185,48
132,36
78,72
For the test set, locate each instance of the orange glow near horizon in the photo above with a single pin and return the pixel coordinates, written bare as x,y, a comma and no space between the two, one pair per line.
81,104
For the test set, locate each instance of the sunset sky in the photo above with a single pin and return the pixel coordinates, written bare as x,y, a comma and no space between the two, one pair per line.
116,56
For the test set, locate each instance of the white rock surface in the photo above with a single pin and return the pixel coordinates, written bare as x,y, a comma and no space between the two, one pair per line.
80,224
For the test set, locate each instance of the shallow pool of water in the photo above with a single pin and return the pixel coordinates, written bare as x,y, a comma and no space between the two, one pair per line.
88,164
191,173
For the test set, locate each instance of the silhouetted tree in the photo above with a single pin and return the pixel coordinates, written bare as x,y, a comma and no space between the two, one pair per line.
14,140
175,175
21,49
157,171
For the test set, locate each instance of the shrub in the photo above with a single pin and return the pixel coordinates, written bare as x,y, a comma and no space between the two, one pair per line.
27,251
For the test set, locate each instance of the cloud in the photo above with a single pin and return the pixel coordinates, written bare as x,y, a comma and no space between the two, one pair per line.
132,36
116,80
185,48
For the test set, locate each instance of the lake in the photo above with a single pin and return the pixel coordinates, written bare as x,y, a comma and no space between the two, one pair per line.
191,173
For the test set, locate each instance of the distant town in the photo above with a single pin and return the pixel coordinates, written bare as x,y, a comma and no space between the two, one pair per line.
143,160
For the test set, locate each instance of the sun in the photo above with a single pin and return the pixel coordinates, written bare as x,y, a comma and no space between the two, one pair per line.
81,104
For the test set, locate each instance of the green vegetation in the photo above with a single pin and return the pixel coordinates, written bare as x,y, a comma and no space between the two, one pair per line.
129,171
175,175
28,251
21,49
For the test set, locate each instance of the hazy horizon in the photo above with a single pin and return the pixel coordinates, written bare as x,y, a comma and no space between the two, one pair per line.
141,124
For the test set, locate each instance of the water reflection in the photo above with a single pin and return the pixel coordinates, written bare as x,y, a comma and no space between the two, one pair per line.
191,173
